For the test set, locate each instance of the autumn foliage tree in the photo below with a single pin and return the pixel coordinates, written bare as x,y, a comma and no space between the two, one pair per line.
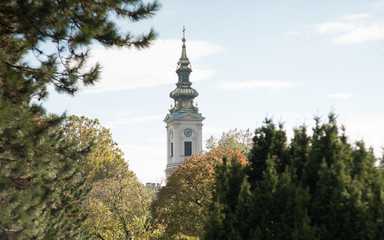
118,208
118,204
105,159
316,186
181,206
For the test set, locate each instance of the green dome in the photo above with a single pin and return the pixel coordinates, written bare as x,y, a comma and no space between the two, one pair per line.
184,93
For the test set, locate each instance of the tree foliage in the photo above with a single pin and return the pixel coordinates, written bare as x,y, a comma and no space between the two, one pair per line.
106,159
118,209
41,185
236,139
118,204
58,34
316,186
180,207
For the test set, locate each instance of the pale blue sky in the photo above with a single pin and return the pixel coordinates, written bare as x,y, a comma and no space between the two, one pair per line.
289,60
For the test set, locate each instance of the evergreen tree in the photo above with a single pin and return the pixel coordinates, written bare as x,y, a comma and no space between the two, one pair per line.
68,27
269,142
222,218
316,187
41,185
298,151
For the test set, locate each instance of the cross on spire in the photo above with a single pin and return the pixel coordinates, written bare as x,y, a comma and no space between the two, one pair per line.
183,39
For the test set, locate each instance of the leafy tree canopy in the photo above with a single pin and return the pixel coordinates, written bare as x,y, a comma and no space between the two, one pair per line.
106,159
118,204
118,209
236,139
180,207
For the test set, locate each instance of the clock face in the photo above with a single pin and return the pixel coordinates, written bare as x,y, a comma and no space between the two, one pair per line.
188,132
171,134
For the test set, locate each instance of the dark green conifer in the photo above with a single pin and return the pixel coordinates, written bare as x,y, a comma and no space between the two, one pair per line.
316,187
223,220
269,142
41,185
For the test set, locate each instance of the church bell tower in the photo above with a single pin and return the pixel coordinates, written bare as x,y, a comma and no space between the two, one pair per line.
184,122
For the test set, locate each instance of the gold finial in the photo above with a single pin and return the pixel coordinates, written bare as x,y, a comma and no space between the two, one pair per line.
197,104
171,106
183,39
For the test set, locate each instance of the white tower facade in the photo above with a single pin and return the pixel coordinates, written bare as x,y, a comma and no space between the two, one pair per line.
184,122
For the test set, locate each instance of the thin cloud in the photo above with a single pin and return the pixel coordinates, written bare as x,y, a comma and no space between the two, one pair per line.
351,29
356,16
363,128
209,131
143,119
342,95
141,157
156,139
126,69
249,85
333,27
148,118
360,35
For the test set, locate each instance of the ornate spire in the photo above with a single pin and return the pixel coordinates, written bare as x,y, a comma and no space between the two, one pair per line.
184,61
183,94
